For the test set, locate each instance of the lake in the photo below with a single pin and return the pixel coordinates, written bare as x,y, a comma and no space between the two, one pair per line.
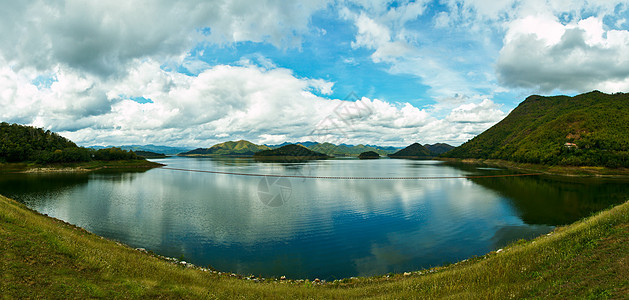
314,228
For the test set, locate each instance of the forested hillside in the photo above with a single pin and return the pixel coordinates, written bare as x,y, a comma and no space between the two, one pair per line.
242,147
20,143
590,129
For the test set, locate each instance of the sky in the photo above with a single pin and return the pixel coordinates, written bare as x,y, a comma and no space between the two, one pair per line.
194,73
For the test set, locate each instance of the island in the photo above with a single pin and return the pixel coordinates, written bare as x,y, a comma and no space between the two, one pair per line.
291,152
369,155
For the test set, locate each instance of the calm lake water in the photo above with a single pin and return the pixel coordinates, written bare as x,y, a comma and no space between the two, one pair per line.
314,228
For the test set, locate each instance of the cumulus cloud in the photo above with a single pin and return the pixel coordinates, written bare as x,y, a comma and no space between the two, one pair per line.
543,54
223,102
102,37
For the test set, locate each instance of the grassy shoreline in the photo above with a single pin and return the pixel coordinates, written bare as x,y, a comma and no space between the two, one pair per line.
45,257
78,166
578,171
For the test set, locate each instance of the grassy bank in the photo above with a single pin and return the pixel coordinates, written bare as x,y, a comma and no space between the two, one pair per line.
550,170
78,166
45,257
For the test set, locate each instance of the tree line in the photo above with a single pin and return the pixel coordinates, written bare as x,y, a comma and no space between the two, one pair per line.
19,143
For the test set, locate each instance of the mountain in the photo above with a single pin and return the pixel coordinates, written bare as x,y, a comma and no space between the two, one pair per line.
290,151
239,148
305,144
148,154
590,129
167,150
369,155
438,148
413,151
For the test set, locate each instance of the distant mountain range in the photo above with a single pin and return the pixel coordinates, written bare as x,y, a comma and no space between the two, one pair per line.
238,148
590,129
246,148
149,148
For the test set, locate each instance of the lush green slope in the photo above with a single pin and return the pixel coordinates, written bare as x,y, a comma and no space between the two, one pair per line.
369,155
343,150
539,128
413,151
242,147
438,148
19,143
149,154
45,258
293,150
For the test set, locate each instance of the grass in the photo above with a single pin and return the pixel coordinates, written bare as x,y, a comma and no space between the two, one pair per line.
41,257
78,166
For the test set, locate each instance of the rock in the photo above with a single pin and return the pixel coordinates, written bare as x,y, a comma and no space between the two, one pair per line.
283,277
407,273
317,280
499,250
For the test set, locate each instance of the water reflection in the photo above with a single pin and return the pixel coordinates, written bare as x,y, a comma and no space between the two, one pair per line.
327,228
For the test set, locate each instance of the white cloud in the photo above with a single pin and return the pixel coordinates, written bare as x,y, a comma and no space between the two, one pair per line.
103,37
223,102
542,54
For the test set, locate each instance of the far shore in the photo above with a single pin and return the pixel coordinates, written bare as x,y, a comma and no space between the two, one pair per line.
572,171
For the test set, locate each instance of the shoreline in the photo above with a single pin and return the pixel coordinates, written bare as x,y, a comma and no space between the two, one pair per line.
81,167
495,274
567,171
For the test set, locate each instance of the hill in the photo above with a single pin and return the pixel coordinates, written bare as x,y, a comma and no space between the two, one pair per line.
292,151
590,129
413,151
166,150
27,144
148,154
369,155
239,148
438,148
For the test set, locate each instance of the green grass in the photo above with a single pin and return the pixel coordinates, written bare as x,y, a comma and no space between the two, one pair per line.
41,257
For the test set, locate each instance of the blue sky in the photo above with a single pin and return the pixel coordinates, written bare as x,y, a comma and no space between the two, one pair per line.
194,73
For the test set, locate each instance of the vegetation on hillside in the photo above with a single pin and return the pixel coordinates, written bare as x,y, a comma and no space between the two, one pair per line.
590,129
47,258
369,155
292,150
438,148
238,148
19,143
415,150
149,154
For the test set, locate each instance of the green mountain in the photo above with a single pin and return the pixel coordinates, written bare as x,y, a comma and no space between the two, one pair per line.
369,155
344,150
438,148
239,148
413,151
290,151
590,129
